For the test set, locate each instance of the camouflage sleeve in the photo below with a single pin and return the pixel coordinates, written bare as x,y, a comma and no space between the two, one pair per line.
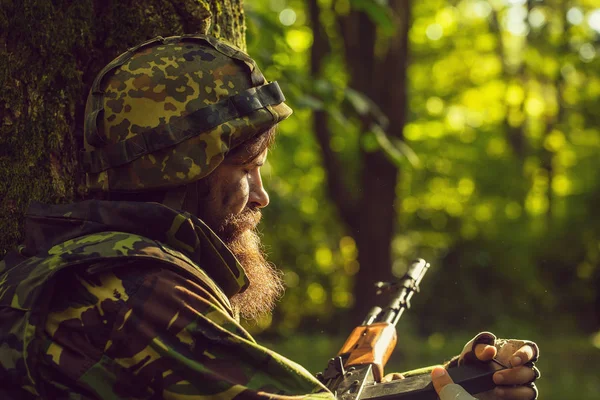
148,332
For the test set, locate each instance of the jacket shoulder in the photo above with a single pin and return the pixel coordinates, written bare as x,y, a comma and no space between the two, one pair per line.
96,252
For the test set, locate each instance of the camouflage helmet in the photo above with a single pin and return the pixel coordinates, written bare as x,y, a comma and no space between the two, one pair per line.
165,113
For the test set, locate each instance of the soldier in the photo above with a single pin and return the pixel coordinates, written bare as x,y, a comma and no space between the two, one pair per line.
137,292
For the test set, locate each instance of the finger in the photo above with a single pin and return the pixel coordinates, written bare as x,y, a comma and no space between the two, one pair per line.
523,355
445,388
392,377
514,376
440,378
485,352
515,393
468,355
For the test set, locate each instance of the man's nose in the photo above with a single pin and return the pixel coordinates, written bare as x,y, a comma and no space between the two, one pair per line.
258,195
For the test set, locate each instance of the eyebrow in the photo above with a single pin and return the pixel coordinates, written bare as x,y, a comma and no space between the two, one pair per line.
254,161
258,161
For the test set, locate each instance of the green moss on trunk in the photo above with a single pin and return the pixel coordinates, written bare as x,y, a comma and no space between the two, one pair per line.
50,52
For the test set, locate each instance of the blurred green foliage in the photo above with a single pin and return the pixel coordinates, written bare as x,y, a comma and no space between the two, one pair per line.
498,167
499,173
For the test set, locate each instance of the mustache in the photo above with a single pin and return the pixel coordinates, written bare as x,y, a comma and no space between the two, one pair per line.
235,225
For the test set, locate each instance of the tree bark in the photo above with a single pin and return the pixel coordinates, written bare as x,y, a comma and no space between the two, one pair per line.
386,85
50,53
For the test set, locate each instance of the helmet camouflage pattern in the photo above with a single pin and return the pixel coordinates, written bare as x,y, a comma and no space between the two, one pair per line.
165,113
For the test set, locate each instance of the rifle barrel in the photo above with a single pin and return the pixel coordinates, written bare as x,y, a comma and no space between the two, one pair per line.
372,316
408,285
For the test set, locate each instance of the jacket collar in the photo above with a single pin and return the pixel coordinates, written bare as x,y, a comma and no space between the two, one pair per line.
48,225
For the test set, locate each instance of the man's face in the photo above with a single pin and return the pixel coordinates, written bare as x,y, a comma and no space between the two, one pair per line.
234,188
232,209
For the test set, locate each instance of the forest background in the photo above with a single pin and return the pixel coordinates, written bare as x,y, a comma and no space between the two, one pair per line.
465,132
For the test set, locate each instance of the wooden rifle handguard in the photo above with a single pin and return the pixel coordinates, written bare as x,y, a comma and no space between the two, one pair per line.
370,344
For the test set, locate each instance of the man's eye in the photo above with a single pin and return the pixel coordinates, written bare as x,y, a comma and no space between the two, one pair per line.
250,168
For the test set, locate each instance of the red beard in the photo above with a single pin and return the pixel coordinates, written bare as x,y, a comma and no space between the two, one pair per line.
266,282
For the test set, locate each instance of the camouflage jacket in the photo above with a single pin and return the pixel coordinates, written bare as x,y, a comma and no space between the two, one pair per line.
130,300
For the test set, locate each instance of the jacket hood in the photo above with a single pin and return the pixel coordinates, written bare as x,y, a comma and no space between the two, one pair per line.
49,225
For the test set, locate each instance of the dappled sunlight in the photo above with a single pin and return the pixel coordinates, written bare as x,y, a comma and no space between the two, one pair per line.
498,160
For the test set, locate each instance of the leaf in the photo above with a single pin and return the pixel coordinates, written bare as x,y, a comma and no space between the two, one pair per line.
366,107
378,12
309,101
368,142
398,151
338,116
323,87
358,101
263,23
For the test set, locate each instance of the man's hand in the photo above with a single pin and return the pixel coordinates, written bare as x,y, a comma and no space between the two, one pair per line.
446,388
515,382
392,377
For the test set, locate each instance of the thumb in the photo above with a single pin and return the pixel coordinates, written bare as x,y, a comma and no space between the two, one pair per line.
446,388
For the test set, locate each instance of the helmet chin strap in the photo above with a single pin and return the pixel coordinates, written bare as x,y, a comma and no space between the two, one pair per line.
183,198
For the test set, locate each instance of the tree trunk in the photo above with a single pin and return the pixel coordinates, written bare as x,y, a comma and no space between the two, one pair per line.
371,214
50,53
386,85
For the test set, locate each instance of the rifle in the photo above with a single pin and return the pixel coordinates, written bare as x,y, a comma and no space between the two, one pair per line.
356,372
